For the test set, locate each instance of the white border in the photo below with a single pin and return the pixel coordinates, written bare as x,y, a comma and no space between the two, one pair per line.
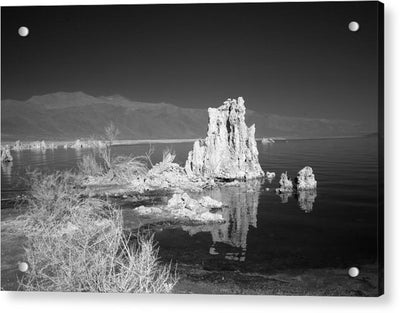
390,302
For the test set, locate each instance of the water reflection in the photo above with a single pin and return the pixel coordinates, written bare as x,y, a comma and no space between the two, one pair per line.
78,153
285,196
305,199
6,170
38,157
240,213
17,154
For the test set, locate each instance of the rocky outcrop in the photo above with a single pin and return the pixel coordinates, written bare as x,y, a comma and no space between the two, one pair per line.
305,179
183,207
77,145
230,150
304,188
270,176
286,185
165,175
6,154
37,145
18,146
266,141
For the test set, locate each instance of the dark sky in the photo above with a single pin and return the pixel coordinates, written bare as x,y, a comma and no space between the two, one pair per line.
295,59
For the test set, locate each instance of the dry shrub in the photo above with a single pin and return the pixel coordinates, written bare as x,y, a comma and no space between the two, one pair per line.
105,155
88,166
126,169
95,257
76,243
52,196
168,156
165,164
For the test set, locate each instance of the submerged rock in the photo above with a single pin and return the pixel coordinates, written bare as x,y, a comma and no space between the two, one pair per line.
6,154
230,150
144,210
266,141
210,203
285,183
305,179
182,206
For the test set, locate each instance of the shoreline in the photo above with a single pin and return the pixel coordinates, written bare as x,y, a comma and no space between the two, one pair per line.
127,142
316,138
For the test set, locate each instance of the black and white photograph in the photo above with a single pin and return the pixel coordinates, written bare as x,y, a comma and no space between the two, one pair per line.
231,149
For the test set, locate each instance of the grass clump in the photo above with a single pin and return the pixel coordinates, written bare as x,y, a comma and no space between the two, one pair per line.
116,170
76,243
126,169
89,166
109,169
168,157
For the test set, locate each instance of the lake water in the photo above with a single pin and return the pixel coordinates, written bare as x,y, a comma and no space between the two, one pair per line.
336,227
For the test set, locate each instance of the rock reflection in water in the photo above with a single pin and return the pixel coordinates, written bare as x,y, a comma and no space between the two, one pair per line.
78,153
305,198
6,170
240,211
17,154
39,156
285,196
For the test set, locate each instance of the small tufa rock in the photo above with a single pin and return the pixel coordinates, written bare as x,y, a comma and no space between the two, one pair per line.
270,176
18,146
183,201
210,203
181,206
285,183
6,154
266,141
305,179
147,210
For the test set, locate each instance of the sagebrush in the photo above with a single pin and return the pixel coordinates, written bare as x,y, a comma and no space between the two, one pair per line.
76,243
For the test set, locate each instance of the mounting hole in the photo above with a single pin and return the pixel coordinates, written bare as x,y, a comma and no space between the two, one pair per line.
353,271
23,31
354,26
23,266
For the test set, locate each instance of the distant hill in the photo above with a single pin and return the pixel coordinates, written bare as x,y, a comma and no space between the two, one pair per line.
72,115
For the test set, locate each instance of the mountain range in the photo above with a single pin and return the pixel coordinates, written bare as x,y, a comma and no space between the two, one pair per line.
72,115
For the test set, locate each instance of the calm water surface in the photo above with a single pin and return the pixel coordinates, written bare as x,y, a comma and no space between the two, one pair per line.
335,227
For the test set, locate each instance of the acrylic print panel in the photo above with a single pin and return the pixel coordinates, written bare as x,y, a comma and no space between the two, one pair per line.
213,148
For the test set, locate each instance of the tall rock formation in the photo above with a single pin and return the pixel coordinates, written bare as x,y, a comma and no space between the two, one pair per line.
230,149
